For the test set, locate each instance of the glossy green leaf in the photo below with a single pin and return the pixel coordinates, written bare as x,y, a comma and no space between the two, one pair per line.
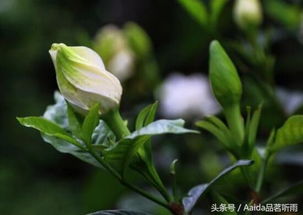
90,122
57,114
58,111
194,194
64,116
47,127
146,115
103,136
117,212
290,133
144,165
218,122
162,126
124,151
217,132
60,141
197,10
217,128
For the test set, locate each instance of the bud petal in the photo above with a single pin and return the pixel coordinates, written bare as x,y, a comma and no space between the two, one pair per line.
224,78
83,79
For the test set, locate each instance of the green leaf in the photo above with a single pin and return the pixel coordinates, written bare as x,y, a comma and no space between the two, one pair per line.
121,155
296,188
103,136
220,134
146,115
90,122
58,138
290,133
47,127
58,114
58,111
194,194
253,127
162,126
287,14
197,10
216,121
144,164
117,212
125,150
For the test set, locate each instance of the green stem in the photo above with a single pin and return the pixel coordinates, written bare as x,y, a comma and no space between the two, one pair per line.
175,188
114,173
114,120
154,180
245,174
235,122
262,173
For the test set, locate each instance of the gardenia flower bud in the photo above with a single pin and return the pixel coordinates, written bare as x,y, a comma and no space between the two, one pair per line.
227,88
224,78
83,79
248,13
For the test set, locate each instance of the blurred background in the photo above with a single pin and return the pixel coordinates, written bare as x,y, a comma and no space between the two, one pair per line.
159,51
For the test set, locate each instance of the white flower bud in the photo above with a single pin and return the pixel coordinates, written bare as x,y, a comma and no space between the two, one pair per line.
248,13
83,79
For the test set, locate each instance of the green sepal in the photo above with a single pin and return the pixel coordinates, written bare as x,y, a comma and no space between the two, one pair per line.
90,123
73,122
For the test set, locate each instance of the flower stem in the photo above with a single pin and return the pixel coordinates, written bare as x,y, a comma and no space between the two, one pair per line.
114,120
261,173
235,122
114,173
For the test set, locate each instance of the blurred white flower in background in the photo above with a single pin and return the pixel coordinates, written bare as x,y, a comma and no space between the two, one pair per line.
112,44
248,13
187,97
6,5
290,100
122,65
